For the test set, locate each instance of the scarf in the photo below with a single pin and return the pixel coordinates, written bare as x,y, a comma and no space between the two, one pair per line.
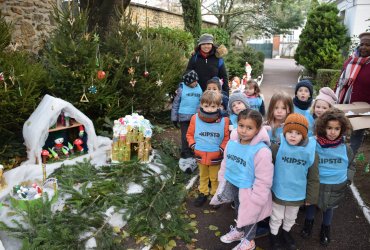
302,105
203,54
348,77
326,143
210,117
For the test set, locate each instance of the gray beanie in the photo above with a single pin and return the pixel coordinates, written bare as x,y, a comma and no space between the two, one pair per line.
205,38
237,96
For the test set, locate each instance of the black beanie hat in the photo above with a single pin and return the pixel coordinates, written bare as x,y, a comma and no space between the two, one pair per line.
189,77
304,83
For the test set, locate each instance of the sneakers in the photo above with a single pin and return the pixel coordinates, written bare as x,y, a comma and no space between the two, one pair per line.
307,229
200,200
245,245
233,235
188,165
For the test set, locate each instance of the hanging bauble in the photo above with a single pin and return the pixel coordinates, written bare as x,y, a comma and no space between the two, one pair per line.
101,74
92,89
146,74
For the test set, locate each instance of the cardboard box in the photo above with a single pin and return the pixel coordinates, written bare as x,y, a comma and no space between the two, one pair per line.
356,114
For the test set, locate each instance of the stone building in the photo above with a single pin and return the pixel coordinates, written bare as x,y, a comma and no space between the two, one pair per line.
32,21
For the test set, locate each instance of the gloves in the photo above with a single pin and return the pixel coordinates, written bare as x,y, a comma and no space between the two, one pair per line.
175,124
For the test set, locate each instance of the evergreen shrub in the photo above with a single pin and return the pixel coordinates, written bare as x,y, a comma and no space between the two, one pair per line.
326,78
220,36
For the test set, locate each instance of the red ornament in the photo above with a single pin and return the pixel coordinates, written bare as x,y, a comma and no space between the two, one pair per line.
146,73
101,74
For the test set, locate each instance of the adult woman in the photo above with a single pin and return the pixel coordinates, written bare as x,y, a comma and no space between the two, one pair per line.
353,84
207,62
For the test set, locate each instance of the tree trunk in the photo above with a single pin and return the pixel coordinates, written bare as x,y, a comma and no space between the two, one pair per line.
192,16
103,13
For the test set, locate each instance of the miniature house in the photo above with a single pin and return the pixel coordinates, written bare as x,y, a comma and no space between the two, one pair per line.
45,120
131,136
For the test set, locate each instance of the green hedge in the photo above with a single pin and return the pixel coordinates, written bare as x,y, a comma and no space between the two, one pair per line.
220,35
326,78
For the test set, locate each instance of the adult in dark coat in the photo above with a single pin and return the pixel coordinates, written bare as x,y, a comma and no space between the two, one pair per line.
207,61
353,84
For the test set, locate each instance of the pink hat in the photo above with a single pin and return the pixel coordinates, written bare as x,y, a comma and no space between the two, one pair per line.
327,94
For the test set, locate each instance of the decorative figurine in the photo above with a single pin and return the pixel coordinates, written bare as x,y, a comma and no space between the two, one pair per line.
78,142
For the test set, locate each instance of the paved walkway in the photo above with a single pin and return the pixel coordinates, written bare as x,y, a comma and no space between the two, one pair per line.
350,230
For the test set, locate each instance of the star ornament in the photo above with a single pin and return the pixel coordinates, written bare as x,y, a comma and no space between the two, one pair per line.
159,82
133,82
131,70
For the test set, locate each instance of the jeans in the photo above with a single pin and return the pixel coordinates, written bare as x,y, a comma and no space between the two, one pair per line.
327,215
186,151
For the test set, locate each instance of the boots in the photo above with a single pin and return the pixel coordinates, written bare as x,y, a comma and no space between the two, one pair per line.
275,241
307,229
288,240
325,235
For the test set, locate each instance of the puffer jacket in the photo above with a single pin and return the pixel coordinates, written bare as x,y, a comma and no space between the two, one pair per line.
255,202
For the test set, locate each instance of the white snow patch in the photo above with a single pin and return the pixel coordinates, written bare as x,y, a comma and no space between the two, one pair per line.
134,188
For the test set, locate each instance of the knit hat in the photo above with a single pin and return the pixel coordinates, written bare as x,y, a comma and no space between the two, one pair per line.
205,38
304,83
297,122
237,96
189,77
216,81
327,94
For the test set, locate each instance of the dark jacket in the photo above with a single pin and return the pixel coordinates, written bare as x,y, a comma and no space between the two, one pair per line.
332,194
207,68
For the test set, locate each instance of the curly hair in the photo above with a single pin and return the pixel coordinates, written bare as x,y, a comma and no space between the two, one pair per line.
332,114
251,114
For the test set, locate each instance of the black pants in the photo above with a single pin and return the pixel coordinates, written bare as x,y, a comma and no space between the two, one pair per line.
186,151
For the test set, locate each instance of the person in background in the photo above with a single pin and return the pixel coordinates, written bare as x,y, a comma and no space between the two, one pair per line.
323,102
215,84
302,102
253,93
296,179
184,106
207,61
246,177
335,170
280,107
353,84
207,135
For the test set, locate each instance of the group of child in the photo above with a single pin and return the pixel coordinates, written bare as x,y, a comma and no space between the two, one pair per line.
266,168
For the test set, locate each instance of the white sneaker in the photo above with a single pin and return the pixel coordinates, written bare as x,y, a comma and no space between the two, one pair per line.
233,235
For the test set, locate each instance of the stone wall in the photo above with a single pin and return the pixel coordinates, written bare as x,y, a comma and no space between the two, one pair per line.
31,20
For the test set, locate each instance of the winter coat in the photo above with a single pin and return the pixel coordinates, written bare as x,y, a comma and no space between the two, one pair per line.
331,195
313,182
207,158
175,115
209,67
256,202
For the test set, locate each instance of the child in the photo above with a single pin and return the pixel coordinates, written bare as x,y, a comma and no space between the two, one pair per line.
303,100
215,84
207,135
237,103
324,101
234,84
252,90
246,178
280,107
296,178
184,106
335,168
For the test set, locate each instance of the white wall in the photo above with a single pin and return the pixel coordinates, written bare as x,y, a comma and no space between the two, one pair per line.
356,14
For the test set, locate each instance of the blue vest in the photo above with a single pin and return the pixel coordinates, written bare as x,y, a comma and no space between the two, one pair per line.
234,120
208,136
309,117
333,164
190,99
255,103
240,163
291,168
276,138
